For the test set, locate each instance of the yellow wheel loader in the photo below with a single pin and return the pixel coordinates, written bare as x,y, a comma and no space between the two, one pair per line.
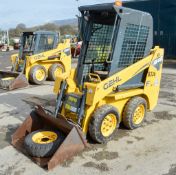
117,80
41,56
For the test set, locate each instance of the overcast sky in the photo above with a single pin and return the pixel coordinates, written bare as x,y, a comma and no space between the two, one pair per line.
34,12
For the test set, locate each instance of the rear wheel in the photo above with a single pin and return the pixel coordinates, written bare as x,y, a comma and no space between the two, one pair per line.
43,143
37,74
135,112
54,71
6,82
104,123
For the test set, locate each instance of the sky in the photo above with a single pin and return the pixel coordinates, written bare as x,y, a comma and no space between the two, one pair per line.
36,12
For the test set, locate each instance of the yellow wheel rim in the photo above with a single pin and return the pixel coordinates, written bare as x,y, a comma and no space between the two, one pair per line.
108,125
58,72
40,74
44,137
139,114
8,78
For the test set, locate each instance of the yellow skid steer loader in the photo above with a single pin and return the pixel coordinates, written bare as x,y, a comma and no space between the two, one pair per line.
117,80
41,56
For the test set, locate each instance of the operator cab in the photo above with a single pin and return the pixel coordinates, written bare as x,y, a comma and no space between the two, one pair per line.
37,42
114,38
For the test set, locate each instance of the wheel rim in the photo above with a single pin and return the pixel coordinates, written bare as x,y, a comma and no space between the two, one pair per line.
8,78
40,74
108,125
58,71
44,137
139,114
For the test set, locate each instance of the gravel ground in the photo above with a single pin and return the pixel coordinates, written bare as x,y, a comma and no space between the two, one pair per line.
149,150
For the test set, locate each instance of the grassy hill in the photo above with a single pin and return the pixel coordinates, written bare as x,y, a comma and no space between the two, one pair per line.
72,22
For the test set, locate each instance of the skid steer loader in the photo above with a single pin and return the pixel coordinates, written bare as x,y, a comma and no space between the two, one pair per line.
117,80
40,57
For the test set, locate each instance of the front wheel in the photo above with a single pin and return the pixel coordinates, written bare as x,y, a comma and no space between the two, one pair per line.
134,112
104,123
37,74
54,71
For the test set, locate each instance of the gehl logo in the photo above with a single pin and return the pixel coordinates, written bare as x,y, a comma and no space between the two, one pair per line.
38,57
110,83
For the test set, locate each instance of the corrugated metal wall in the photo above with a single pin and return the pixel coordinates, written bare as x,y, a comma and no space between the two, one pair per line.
164,14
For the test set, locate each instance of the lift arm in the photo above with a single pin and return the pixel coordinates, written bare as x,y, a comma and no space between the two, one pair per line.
97,91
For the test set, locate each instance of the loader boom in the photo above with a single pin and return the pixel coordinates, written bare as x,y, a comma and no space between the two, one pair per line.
110,85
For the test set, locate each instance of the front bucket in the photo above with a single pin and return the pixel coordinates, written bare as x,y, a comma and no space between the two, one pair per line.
12,80
74,142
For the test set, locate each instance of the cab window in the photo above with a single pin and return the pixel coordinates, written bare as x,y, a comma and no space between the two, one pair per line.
46,42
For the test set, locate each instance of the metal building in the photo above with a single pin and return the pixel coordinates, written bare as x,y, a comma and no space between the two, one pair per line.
164,15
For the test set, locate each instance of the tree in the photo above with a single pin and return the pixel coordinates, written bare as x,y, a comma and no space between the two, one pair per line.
68,29
21,26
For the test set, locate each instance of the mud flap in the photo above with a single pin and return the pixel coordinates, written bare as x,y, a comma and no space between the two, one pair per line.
74,142
19,80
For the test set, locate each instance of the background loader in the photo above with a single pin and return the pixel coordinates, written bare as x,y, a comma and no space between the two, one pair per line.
117,80
41,56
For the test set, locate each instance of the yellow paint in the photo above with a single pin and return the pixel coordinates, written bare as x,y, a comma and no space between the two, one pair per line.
139,114
94,78
43,59
108,125
69,77
72,99
44,137
151,90
13,58
104,92
8,78
58,71
40,74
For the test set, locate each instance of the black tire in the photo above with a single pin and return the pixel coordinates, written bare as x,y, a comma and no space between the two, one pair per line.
129,110
97,120
5,83
42,150
32,74
52,69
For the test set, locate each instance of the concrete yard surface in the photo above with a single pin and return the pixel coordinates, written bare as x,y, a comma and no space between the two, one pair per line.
149,150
